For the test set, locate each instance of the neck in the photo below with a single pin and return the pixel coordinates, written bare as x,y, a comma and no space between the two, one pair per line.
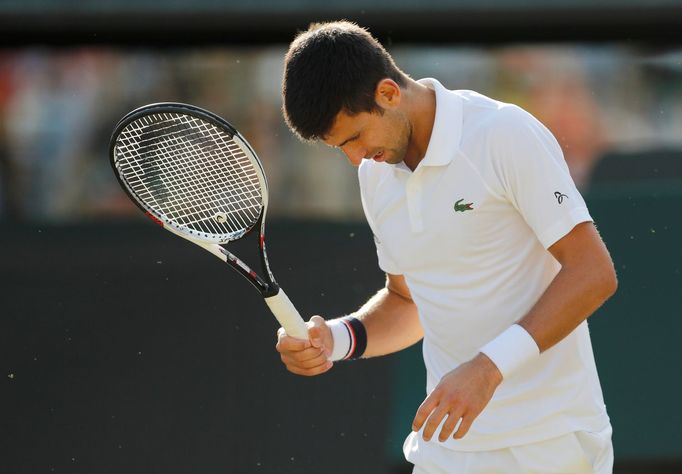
421,113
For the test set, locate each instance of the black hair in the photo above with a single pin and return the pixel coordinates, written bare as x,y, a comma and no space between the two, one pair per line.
329,68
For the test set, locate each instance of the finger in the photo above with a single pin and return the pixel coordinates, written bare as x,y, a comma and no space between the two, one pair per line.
293,359
449,425
423,412
282,334
467,420
432,423
290,344
304,355
305,365
311,371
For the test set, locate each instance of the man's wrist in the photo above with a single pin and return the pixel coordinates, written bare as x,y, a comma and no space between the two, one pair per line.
486,362
350,338
511,350
342,340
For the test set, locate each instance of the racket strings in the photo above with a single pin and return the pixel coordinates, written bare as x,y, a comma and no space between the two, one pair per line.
191,173
198,210
205,180
209,184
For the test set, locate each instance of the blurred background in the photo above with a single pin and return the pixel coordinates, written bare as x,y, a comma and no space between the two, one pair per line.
125,350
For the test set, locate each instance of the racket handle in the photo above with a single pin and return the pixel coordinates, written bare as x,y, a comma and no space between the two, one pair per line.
287,315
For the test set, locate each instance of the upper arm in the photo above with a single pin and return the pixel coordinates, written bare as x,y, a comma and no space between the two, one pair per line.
390,318
583,247
396,284
582,243
533,176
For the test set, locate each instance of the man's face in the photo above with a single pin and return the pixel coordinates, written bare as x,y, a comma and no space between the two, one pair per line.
371,136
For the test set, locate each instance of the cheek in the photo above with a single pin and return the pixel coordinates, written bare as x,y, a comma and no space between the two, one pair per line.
399,129
395,139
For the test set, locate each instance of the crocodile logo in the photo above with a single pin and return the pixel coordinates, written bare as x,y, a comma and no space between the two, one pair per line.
463,207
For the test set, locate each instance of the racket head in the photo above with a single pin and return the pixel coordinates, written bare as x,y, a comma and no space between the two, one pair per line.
190,171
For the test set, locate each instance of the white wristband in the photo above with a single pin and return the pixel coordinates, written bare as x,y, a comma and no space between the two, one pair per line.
511,350
342,339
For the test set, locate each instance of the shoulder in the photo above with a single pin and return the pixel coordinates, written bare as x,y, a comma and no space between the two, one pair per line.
484,118
500,127
500,138
512,123
477,100
481,111
488,124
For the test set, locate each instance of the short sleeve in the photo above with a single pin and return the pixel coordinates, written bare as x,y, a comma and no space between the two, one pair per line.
386,263
535,177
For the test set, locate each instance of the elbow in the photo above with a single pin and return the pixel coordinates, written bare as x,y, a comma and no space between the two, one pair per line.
609,283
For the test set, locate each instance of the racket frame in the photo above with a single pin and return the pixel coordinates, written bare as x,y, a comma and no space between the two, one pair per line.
266,284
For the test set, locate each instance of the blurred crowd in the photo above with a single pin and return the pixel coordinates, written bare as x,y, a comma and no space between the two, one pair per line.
59,106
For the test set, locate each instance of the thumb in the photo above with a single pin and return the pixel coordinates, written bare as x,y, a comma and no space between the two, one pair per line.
315,332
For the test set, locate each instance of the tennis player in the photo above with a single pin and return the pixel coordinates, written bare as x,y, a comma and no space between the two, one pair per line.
490,254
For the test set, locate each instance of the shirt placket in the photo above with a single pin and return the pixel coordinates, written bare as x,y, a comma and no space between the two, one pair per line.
413,191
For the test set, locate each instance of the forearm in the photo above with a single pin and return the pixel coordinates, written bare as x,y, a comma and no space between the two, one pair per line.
586,280
391,321
575,293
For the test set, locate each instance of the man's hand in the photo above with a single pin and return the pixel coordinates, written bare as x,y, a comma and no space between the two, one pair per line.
462,393
307,357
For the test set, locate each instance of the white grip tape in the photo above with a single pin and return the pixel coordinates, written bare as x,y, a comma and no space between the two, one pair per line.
511,350
287,315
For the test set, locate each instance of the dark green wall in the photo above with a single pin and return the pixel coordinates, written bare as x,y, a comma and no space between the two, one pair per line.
126,350
636,334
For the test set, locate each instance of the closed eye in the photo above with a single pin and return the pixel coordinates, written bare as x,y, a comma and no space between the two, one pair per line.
345,142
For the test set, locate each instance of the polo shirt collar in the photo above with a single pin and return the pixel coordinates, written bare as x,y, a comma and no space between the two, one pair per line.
447,126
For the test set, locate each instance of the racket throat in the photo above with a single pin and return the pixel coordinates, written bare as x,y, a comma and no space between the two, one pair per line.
265,266
266,288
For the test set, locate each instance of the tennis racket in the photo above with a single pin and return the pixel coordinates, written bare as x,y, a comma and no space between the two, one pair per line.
193,173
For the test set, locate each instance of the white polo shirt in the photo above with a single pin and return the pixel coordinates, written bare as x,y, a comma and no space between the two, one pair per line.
469,230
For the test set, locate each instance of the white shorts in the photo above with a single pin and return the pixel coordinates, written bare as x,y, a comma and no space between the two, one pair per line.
581,452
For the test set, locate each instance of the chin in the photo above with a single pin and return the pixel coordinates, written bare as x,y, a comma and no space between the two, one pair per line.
394,160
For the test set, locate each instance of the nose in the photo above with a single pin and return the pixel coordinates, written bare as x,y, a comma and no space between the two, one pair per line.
354,153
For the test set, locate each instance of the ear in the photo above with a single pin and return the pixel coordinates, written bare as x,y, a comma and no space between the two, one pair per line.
387,94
